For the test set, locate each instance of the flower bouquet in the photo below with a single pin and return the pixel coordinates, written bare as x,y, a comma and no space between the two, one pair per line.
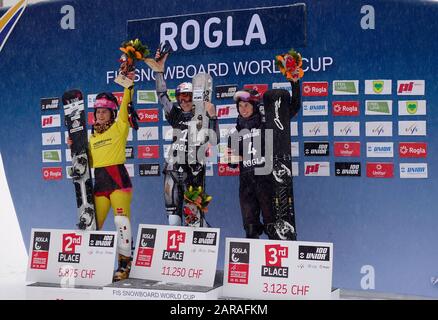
196,205
290,65
133,51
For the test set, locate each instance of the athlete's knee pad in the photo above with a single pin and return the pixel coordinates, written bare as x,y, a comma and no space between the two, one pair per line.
123,226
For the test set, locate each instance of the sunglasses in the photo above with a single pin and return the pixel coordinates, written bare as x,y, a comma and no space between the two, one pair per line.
185,94
245,96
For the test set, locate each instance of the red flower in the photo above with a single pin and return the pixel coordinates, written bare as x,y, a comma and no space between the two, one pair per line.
290,63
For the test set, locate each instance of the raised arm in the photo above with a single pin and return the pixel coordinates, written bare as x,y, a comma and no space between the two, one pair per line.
161,89
160,83
295,105
127,98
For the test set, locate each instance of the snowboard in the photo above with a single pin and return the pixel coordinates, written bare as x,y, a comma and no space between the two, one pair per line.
277,117
202,91
75,121
202,84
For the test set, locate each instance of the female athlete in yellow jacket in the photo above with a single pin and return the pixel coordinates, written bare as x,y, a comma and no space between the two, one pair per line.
112,184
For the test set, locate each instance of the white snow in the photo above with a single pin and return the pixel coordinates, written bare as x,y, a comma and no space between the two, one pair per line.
13,253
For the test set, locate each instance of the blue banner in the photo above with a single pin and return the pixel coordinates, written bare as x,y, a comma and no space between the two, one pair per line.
226,31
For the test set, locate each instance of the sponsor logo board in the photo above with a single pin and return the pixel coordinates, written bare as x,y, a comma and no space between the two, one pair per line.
378,86
378,129
380,149
345,87
413,170
380,170
347,149
412,108
346,128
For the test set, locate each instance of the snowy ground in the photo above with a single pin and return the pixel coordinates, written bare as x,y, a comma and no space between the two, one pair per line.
12,250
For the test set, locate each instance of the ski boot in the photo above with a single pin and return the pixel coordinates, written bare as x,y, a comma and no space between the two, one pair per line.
253,231
124,268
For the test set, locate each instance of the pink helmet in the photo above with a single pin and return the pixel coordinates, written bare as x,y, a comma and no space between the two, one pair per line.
108,101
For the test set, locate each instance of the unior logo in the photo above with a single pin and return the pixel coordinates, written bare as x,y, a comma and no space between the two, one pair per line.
315,253
413,170
204,238
347,169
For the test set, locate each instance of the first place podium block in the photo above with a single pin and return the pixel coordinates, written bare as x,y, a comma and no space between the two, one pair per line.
172,263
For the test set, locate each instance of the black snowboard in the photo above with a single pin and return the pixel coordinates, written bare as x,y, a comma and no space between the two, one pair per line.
277,116
80,171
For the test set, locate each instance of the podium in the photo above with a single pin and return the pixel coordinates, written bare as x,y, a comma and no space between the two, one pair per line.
280,270
177,263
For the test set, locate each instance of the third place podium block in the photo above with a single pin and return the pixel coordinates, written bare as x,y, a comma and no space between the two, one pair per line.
281,270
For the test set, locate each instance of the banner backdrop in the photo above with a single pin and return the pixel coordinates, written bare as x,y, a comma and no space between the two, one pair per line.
364,143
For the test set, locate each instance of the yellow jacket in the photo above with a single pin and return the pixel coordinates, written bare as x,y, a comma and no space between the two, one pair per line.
108,148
